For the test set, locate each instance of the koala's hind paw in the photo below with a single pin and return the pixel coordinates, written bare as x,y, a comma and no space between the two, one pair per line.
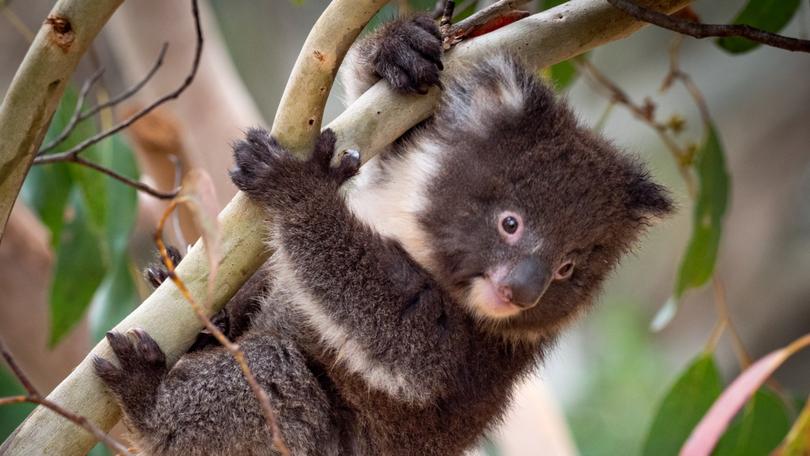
156,273
409,55
259,159
142,367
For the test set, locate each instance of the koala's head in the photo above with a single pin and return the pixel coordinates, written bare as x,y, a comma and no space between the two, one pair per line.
529,212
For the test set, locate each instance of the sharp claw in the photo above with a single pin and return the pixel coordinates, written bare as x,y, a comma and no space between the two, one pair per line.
353,154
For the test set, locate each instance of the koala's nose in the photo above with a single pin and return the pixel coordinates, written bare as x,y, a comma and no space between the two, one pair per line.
527,282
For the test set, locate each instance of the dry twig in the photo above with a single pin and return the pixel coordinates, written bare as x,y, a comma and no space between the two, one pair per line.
34,397
79,116
698,30
233,349
646,114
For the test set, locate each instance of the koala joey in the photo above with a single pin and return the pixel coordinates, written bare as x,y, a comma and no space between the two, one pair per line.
399,310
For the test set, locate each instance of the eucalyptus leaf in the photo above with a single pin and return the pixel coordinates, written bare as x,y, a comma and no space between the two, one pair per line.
698,262
769,15
78,271
683,406
763,423
11,415
116,297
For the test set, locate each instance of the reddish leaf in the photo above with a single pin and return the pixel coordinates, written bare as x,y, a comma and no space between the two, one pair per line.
714,423
496,23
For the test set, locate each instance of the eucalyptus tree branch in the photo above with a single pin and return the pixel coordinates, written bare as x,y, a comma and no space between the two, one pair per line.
38,85
698,30
376,119
33,396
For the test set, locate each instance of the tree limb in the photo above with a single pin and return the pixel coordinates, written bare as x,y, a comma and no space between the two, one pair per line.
698,30
38,85
373,121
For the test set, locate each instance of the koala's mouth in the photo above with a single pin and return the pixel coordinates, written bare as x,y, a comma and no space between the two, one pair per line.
509,289
487,301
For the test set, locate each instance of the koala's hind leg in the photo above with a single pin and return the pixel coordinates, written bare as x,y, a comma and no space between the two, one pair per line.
204,405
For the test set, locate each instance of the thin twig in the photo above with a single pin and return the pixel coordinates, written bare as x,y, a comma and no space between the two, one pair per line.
137,185
646,115
79,116
34,397
447,18
723,314
233,349
76,117
66,156
130,91
698,30
17,23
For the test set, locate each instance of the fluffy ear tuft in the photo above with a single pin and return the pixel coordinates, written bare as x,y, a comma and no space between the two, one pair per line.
648,199
490,93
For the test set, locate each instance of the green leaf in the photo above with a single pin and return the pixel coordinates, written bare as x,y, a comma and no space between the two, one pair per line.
548,4
466,12
46,187
421,5
385,14
683,407
117,294
115,298
763,423
78,272
769,15
122,200
563,74
698,262
797,442
45,190
13,414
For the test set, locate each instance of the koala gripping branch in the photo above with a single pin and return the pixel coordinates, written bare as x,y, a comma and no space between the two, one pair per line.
373,121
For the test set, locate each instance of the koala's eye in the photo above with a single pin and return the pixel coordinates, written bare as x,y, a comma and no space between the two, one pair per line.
564,271
510,224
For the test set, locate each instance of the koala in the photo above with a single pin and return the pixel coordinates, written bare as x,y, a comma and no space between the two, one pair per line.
402,305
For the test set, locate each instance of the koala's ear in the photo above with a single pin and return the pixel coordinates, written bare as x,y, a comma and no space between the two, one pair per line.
648,200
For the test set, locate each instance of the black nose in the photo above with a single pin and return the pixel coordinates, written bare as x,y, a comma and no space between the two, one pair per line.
527,282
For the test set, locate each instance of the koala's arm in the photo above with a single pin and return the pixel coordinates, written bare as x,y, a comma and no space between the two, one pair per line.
386,318
406,52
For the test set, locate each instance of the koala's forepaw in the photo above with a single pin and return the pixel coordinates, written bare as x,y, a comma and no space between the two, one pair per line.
142,368
271,174
409,55
156,273
260,161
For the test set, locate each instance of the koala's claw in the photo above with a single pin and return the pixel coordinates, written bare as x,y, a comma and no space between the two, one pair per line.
156,273
142,364
409,55
349,164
